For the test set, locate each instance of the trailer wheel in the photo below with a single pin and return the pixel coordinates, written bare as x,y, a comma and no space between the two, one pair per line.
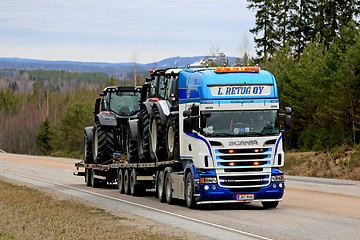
94,181
157,135
103,143
144,136
88,177
136,188
172,139
168,187
189,191
268,205
121,181
160,187
127,182
88,138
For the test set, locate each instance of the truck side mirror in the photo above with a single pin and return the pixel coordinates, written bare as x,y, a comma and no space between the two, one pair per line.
97,106
287,122
288,110
188,125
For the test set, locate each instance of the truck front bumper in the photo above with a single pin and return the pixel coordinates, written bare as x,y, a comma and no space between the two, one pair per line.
212,193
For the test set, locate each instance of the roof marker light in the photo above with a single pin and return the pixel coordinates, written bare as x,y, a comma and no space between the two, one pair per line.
237,69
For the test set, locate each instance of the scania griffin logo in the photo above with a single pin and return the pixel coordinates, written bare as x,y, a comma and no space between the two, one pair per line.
238,143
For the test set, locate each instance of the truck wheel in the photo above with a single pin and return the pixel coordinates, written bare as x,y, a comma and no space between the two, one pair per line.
144,136
131,146
94,181
121,181
168,188
189,191
88,177
172,139
160,187
127,182
88,138
103,143
268,205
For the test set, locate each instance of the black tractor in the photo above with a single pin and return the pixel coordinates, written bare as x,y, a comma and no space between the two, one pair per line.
115,126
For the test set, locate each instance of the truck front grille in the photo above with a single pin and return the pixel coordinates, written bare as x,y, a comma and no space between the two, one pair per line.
244,167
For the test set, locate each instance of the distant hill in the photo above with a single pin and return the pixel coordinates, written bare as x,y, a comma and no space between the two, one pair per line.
108,68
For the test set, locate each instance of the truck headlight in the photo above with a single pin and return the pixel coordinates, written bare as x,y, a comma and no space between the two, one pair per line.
208,180
277,178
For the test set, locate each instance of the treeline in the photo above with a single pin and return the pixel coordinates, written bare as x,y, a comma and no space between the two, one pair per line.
322,85
313,48
47,122
297,22
52,80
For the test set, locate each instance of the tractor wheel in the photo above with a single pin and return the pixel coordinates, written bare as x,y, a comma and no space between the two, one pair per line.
172,139
144,136
103,143
157,136
88,155
131,147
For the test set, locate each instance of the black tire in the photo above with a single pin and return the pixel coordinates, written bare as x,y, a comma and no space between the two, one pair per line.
268,205
189,191
127,182
172,139
95,183
160,186
136,188
88,155
144,136
88,177
131,146
157,137
168,188
103,143
120,184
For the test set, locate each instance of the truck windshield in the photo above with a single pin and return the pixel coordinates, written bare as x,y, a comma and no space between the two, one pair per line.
240,123
124,103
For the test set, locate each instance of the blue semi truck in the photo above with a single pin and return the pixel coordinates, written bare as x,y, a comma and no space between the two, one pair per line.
220,134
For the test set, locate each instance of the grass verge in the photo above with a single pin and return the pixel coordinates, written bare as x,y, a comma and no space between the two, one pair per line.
27,213
337,163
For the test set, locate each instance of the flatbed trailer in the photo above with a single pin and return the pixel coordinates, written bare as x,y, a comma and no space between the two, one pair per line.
134,179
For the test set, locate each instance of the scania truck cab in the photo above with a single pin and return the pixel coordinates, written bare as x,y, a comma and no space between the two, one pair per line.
231,141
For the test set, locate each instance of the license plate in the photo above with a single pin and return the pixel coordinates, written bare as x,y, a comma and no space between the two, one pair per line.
244,197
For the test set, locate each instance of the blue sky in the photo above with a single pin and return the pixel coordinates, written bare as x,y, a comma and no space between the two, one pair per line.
123,31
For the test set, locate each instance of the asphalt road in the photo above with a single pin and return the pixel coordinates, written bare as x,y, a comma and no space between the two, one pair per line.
312,208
